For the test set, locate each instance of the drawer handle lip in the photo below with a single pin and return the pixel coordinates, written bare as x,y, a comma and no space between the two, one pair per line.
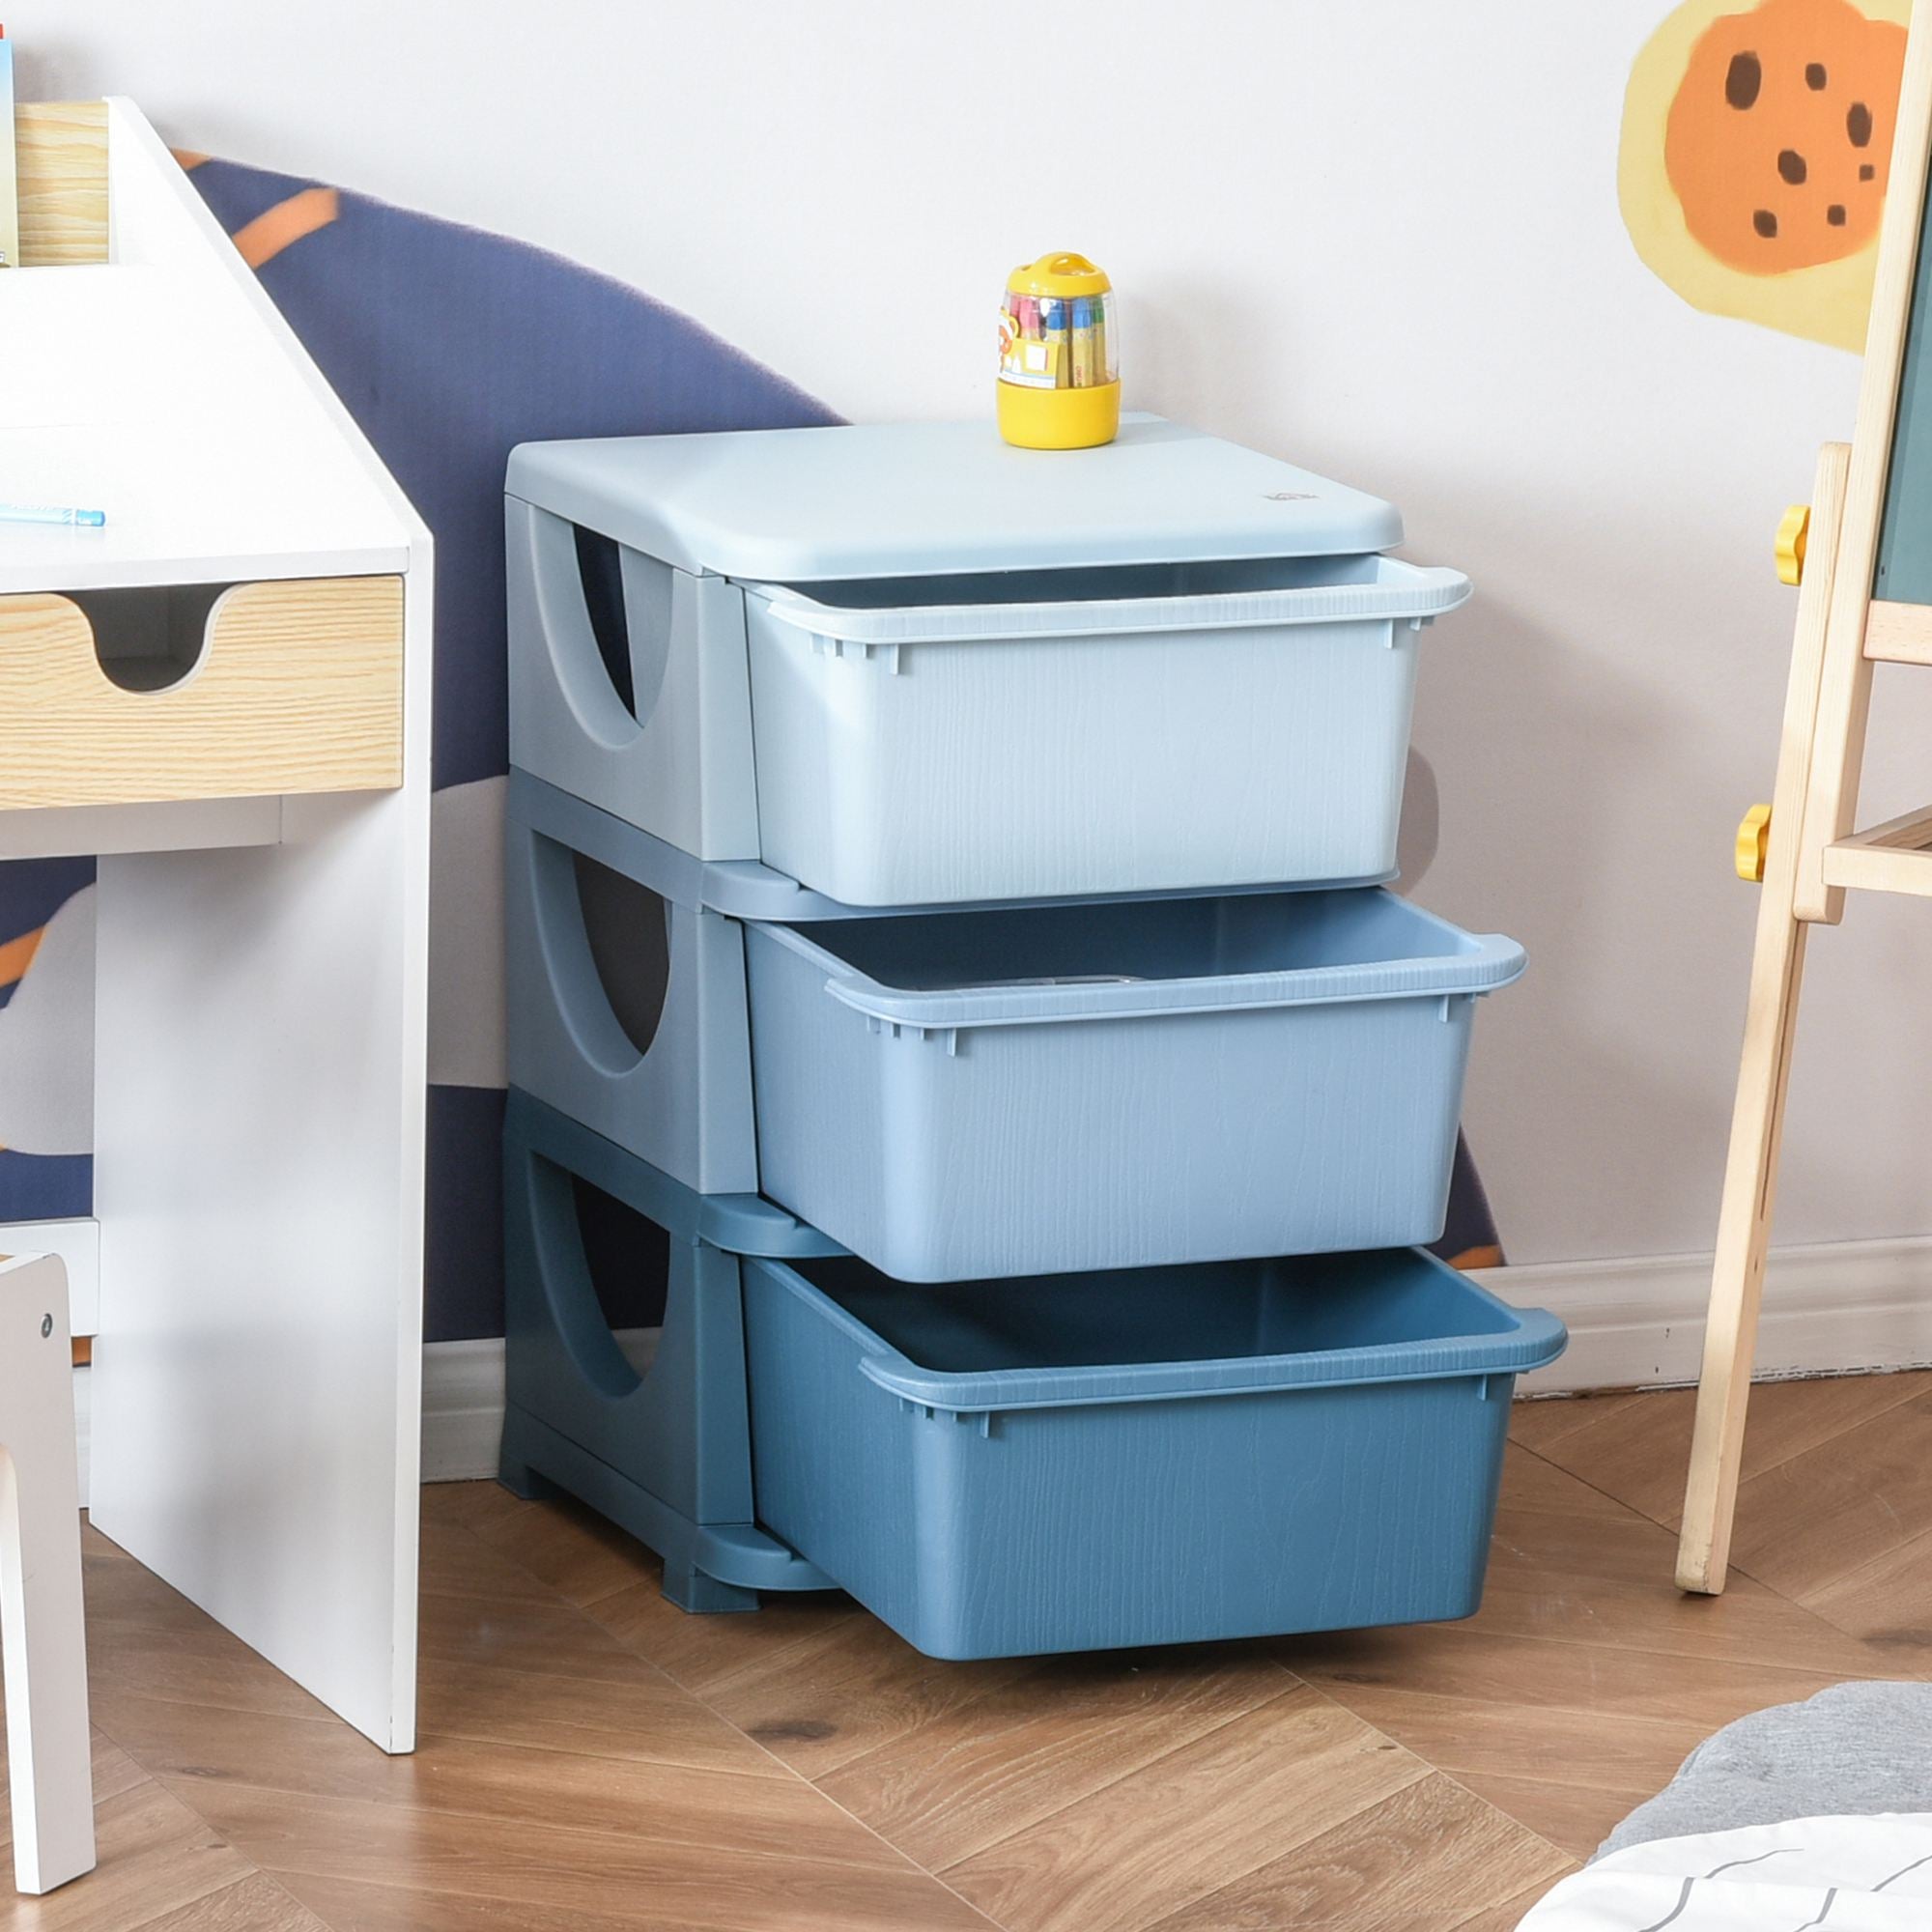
1489,962
1254,992
1402,591
1537,1339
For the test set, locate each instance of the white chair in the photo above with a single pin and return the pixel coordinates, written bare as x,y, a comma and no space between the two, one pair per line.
42,1641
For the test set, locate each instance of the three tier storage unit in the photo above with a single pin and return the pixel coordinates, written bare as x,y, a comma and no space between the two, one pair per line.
974,1100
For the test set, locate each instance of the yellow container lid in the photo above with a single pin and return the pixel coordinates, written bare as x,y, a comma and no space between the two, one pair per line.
1058,274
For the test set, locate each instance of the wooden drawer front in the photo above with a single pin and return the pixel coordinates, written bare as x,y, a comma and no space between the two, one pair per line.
298,688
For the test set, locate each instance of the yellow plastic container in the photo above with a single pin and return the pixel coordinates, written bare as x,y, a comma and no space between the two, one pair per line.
1060,369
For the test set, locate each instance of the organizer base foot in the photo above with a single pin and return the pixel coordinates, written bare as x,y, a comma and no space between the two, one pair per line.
709,1568
520,1480
690,1589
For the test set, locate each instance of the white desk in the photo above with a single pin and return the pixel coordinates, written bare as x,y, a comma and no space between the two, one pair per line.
262,968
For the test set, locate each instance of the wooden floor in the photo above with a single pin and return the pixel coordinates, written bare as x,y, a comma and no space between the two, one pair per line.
592,1758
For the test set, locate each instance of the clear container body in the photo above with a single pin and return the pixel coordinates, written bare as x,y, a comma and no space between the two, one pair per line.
1059,342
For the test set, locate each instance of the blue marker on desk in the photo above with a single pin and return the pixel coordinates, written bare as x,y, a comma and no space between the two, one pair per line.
48,513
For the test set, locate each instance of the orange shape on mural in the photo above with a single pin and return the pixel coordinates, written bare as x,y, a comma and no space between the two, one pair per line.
1780,137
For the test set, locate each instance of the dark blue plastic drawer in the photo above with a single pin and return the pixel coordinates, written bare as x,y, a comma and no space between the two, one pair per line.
1148,1456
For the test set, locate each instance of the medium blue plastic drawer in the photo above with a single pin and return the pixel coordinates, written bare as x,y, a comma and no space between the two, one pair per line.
1161,1456
1047,1088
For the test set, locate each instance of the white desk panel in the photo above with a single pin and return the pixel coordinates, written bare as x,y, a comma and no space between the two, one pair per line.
262,969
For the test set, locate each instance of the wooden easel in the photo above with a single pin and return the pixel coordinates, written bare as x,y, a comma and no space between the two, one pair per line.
1864,566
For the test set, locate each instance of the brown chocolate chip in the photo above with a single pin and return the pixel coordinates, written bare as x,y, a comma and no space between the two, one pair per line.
1859,124
1814,76
1766,224
1835,216
1742,80
1866,172
1791,165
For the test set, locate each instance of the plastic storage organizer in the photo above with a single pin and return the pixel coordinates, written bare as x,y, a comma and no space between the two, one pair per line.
933,863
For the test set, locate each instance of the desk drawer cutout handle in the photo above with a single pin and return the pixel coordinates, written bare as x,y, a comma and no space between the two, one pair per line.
151,637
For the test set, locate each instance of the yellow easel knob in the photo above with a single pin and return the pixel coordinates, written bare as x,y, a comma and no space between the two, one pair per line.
1791,531
1753,842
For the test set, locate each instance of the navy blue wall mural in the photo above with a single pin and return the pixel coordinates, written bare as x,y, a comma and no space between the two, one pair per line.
449,346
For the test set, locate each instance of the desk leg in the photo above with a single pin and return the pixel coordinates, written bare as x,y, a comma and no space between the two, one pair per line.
259,1183
42,1627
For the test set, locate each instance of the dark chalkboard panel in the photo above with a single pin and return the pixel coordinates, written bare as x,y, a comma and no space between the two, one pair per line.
1904,572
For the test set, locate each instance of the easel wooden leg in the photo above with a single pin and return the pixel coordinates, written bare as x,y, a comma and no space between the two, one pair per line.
1744,1239
1764,1071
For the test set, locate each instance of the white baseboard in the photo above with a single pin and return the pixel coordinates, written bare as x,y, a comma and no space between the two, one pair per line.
1634,1323
1638,1323
463,1403
462,1410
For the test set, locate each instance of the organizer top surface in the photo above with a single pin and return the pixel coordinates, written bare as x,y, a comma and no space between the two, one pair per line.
910,499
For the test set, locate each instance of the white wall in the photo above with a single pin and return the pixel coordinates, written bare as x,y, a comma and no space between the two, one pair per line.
1378,237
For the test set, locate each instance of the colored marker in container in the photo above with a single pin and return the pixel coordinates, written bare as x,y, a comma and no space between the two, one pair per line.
49,513
1055,334
1084,376
1034,360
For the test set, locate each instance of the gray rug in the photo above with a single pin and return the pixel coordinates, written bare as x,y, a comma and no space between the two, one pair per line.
1856,1748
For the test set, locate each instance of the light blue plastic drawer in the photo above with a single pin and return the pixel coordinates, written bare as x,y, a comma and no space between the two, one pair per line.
1000,1468
1047,1088
906,665
1040,734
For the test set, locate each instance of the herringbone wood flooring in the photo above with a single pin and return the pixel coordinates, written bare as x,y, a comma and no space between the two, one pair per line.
592,1758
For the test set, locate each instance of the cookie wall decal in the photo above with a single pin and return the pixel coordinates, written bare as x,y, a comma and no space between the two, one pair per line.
1755,145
